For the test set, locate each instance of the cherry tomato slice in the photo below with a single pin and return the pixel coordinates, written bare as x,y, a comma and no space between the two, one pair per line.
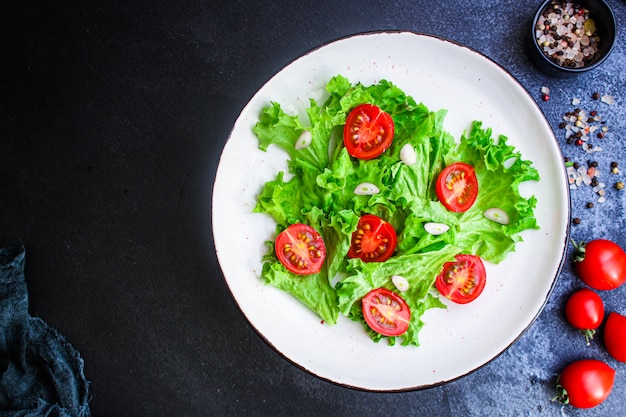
374,240
462,281
368,131
386,312
615,336
457,187
301,249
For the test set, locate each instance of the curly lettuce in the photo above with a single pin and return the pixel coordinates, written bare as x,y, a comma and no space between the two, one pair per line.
320,193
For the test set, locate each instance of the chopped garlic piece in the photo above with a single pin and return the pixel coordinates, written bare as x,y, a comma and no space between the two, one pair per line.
304,140
366,188
408,155
436,229
400,282
497,215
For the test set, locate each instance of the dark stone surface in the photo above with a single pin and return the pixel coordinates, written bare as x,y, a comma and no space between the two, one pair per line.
111,125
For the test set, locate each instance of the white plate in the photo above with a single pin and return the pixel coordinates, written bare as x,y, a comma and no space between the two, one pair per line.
454,341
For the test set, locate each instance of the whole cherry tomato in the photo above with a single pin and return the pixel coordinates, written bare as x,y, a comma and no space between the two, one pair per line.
615,336
584,310
585,383
601,264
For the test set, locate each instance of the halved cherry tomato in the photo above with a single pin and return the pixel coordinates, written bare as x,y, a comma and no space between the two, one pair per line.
301,249
368,131
386,312
457,187
374,240
615,336
584,310
585,383
463,280
601,264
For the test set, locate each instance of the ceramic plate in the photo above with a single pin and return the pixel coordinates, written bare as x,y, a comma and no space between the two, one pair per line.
456,340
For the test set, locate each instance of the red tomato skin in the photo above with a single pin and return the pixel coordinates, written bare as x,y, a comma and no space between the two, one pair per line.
444,195
290,236
454,293
584,310
615,336
381,119
604,265
400,324
588,382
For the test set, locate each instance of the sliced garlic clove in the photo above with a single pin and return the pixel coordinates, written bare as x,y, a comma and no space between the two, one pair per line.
436,229
304,140
407,154
400,282
497,215
366,188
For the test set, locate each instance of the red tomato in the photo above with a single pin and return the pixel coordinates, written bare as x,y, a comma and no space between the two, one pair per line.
374,240
601,264
584,310
368,131
585,383
386,312
462,281
457,187
615,336
301,249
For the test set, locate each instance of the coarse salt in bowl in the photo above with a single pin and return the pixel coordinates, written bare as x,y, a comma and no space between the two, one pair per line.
571,37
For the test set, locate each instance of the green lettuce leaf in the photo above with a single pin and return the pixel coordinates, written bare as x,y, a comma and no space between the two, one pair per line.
320,193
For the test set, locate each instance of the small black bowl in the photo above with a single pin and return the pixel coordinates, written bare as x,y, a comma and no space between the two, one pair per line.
606,27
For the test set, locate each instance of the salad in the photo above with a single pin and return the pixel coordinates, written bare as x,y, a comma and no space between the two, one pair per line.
382,211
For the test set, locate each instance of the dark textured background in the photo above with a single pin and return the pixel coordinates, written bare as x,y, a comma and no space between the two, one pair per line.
112,120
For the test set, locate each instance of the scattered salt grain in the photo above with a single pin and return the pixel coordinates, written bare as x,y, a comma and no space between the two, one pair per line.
608,99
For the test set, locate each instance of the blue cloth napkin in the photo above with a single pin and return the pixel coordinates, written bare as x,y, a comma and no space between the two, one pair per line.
41,373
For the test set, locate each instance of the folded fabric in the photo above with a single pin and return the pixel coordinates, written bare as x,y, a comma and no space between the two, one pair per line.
41,373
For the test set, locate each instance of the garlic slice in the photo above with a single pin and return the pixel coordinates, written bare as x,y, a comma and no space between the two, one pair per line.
497,215
436,229
400,282
407,154
366,188
304,140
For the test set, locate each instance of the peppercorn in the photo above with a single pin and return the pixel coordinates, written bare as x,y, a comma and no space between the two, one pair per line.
595,96
590,205
593,113
576,165
562,125
566,159
594,182
576,220
613,164
600,135
593,164
619,185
